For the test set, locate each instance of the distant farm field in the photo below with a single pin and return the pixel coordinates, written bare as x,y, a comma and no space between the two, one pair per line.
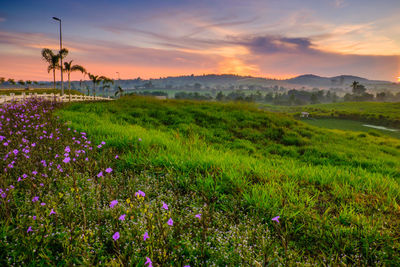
378,113
351,125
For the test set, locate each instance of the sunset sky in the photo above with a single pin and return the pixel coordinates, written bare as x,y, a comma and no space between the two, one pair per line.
153,39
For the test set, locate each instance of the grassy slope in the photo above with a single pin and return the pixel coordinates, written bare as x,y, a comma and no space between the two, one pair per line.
337,193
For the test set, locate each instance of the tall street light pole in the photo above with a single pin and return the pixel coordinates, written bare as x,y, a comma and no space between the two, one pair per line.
61,65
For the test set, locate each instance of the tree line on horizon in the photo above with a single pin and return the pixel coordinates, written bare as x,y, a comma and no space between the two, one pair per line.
53,59
292,97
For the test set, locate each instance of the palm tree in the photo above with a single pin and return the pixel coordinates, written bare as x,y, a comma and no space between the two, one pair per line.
53,60
68,68
21,82
106,81
120,91
96,80
107,86
2,80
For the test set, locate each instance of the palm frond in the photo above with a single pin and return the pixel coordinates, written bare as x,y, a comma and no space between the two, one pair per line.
67,66
78,68
47,54
63,53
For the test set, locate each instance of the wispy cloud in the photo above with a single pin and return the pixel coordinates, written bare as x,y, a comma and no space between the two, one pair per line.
253,37
339,3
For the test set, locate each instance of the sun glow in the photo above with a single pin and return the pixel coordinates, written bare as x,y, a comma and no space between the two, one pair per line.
398,79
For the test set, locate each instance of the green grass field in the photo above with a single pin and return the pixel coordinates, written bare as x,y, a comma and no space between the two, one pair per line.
350,125
377,113
337,193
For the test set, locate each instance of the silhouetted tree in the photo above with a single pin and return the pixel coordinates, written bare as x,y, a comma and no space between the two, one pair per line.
53,60
68,68
358,88
119,92
220,96
96,80
106,83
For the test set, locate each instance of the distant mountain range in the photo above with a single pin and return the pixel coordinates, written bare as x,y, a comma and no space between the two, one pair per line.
307,80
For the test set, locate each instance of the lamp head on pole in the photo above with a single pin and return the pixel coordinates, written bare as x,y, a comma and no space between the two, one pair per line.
55,18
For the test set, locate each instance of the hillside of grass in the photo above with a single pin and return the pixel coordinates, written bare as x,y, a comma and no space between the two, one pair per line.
146,182
379,113
336,193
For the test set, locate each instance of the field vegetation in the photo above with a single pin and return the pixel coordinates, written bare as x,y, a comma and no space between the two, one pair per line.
192,183
379,113
38,91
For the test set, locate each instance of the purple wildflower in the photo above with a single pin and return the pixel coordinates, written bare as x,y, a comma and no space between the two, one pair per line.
145,236
198,216
140,193
67,159
122,217
108,170
29,229
116,236
100,174
170,222
52,212
113,203
276,219
148,261
165,206
35,199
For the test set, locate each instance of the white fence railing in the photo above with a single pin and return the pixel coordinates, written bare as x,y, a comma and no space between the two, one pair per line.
65,98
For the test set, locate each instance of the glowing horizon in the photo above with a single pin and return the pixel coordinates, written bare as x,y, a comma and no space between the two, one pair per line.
159,39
